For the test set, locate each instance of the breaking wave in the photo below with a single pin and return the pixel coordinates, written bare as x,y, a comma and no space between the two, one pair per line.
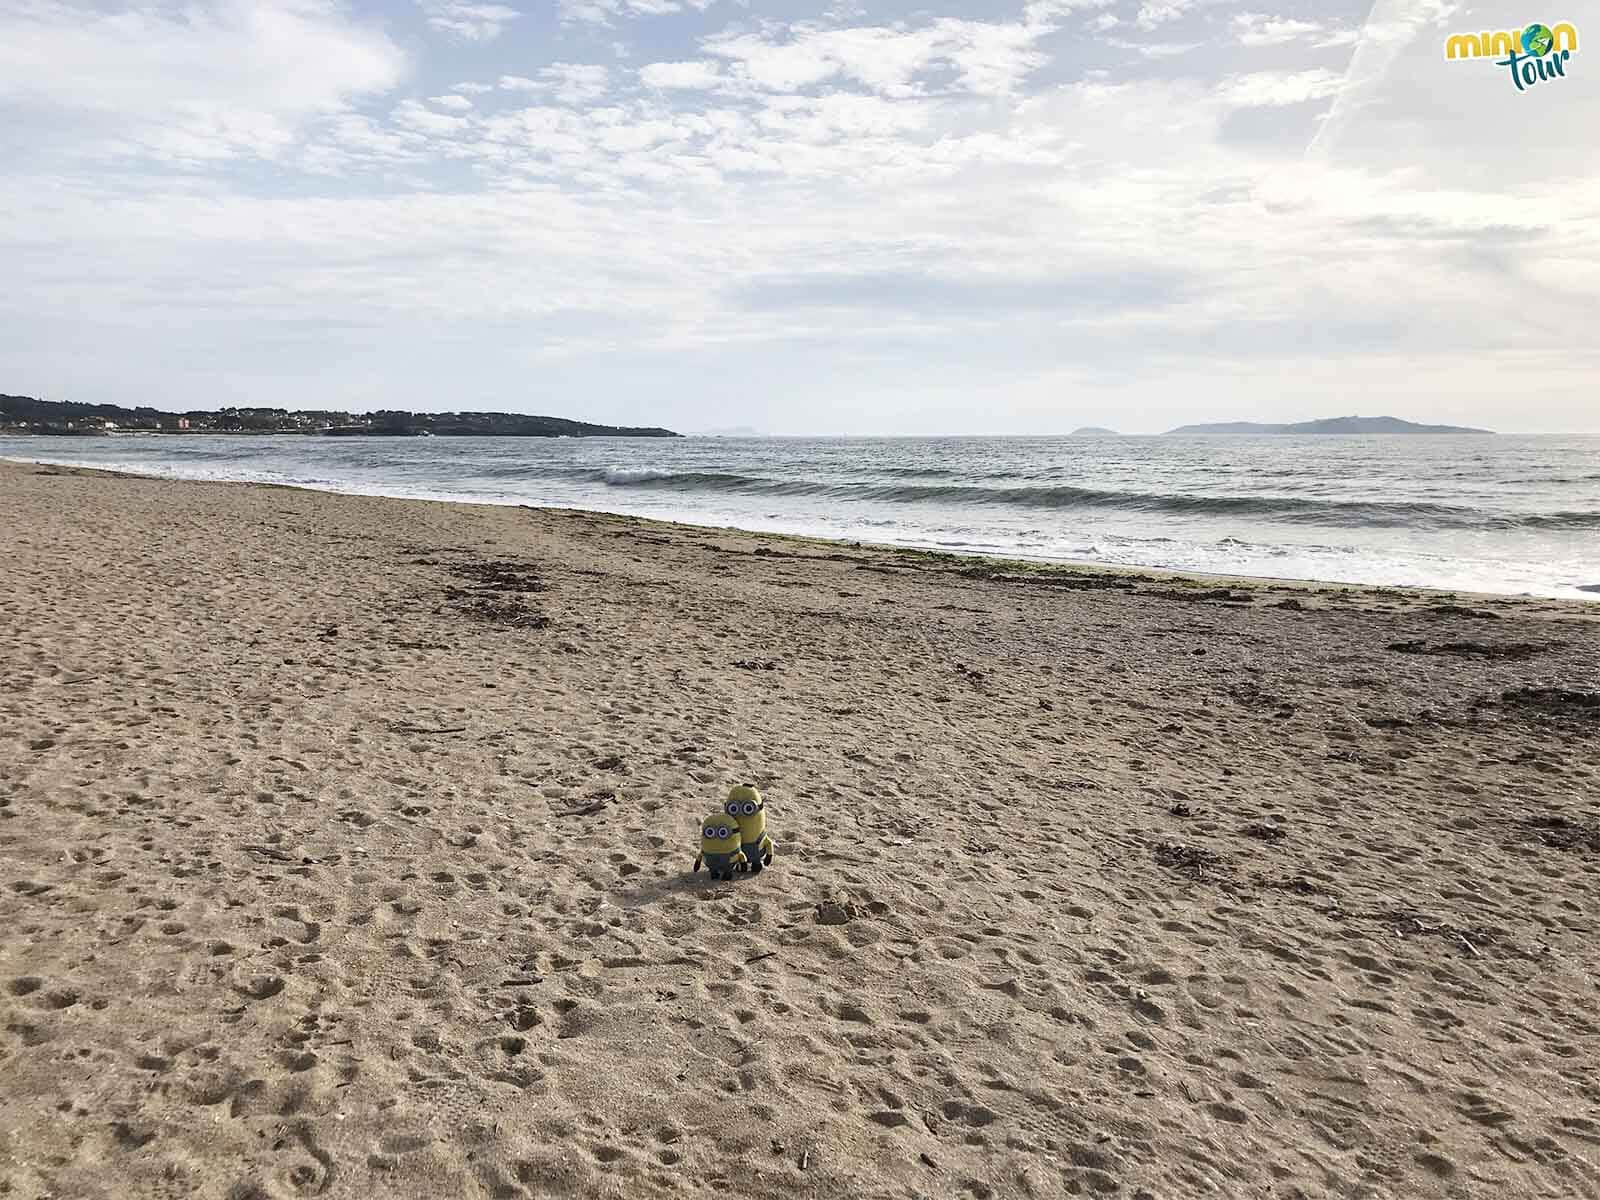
1293,509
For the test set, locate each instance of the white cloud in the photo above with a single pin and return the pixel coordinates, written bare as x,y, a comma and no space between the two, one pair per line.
271,55
1259,29
1154,49
412,114
209,81
467,21
686,75
1049,12
354,141
991,58
568,83
608,12
1155,13
594,12
455,103
986,58
1273,89
576,83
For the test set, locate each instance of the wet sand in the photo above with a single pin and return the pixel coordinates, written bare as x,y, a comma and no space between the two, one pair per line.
345,848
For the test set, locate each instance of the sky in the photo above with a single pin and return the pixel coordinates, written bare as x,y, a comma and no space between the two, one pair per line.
1011,216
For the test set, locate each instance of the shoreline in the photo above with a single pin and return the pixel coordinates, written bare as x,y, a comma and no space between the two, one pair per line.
346,846
1016,563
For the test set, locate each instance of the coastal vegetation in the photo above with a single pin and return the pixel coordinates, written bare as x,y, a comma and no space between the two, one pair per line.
24,414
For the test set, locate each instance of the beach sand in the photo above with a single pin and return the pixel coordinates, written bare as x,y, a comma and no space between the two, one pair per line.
345,849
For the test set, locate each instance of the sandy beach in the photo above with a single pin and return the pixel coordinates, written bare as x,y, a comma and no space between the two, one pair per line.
345,851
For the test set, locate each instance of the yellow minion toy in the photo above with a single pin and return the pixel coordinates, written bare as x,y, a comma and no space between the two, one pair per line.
746,807
719,847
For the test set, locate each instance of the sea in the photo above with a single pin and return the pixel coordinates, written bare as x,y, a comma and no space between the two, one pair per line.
1510,515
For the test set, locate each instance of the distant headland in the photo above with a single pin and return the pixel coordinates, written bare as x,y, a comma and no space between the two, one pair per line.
24,414
1093,431
1328,425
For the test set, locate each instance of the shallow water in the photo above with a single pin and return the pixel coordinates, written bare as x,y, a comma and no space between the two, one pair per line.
1492,514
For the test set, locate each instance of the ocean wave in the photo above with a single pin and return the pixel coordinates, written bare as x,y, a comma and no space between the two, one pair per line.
623,476
1289,509
928,472
1559,520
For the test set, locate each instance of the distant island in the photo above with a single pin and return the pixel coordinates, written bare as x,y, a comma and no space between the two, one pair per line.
1333,425
1093,431
24,414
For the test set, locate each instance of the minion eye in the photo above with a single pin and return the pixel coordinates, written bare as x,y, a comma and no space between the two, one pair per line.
709,832
749,809
722,831
733,808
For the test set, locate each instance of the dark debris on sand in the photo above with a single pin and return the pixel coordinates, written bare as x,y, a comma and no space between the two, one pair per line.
1297,884
1459,610
1561,833
494,596
1409,923
1388,722
1050,579
1253,695
501,576
1222,595
1193,861
495,610
1508,651
1554,702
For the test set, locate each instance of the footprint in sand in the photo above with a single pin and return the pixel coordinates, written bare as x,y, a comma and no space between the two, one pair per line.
260,987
